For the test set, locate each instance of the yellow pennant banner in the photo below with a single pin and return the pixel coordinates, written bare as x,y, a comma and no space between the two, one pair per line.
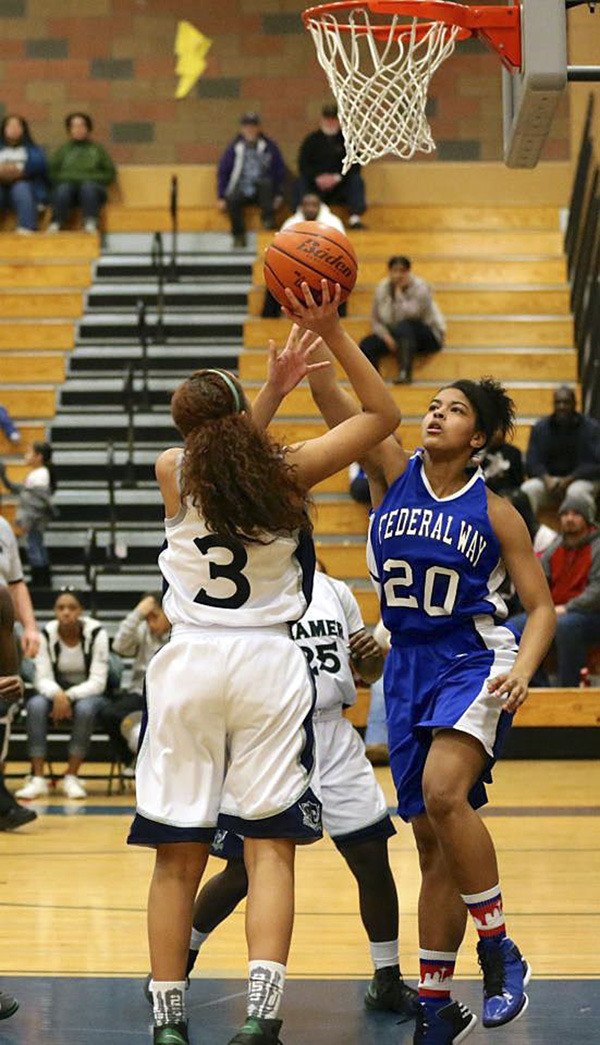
191,48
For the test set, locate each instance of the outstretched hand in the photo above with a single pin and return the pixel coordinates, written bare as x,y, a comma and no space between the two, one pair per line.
512,689
310,315
287,368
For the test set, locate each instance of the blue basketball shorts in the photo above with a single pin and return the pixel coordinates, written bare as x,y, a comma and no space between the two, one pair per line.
442,686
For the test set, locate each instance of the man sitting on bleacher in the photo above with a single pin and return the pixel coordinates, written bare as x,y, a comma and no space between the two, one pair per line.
563,456
143,632
572,568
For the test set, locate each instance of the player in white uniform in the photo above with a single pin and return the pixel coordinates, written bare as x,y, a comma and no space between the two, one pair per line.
334,641
228,733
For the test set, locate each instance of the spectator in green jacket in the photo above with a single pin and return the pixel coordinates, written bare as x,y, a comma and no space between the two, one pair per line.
80,171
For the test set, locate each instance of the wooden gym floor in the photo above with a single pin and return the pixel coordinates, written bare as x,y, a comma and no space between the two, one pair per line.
73,941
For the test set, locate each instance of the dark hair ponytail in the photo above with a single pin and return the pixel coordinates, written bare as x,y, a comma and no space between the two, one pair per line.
237,478
45,452
494,409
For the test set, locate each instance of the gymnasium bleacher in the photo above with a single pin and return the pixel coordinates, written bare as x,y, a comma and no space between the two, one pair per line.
69,337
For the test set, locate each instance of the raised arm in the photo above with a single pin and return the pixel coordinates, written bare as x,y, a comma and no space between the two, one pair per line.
384,462
318,458
532,588
285,370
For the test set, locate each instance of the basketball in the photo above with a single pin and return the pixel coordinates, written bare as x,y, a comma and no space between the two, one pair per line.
307,253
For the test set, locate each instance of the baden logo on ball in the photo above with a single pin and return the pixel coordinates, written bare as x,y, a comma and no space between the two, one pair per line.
307,253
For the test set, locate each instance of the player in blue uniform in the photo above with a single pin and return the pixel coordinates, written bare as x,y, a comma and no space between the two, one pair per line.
238,569
438,547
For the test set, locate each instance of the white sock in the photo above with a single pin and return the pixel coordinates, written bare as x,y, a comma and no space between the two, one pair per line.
197,938
384,954
265,989
169,1001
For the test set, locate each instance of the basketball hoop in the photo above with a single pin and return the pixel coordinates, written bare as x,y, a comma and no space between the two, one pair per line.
379,68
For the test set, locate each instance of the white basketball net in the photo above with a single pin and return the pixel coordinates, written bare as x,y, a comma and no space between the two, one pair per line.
381,85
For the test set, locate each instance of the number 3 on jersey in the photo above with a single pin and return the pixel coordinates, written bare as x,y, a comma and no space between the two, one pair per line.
402,578
230,571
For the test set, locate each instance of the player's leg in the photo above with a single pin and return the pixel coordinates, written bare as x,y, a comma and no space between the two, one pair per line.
179,779
455,763
378,901
177,873
269,923
217,899
267,798
356,816
442,917
410,699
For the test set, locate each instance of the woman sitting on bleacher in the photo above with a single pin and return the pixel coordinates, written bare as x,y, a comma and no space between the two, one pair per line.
71,673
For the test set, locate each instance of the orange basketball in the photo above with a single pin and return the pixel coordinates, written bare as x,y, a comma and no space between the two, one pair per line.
307,253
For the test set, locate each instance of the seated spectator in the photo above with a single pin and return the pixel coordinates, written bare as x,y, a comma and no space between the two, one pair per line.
23,173
572,567
311,209
35,509
81,171
143,632
320,164
563,456
502,467
251,170
8,426
71,674
404,318
12,815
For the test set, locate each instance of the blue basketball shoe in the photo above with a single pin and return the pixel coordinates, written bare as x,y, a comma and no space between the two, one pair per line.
505,974
443,1025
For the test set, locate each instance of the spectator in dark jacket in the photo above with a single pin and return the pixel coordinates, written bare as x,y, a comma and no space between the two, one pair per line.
81,171
572,568
320,164
23,173
251,170
563,456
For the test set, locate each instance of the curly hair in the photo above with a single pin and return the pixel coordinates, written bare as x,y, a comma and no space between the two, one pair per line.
234,474
494,409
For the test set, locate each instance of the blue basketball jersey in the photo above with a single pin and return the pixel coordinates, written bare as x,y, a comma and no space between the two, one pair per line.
436,561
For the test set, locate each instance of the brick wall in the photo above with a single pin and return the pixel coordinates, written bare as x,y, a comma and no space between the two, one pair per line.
114,58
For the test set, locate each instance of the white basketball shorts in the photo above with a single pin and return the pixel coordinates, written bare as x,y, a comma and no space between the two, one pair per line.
354,806
229,731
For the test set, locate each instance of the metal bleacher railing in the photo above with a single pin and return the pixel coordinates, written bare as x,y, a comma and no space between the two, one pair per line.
582,248
174,211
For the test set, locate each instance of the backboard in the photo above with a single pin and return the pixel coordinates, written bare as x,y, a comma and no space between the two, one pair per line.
530,97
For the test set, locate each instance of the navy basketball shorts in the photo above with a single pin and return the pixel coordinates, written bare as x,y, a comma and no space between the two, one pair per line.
442,686
227,738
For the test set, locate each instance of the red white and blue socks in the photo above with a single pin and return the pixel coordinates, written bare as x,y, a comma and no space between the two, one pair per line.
435,980
488,914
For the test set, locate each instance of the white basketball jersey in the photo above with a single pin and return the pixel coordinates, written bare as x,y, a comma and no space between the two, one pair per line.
211,579
323,634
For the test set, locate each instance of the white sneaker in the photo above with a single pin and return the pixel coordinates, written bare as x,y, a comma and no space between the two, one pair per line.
72,787
90,225
53,227
23,232
35,787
